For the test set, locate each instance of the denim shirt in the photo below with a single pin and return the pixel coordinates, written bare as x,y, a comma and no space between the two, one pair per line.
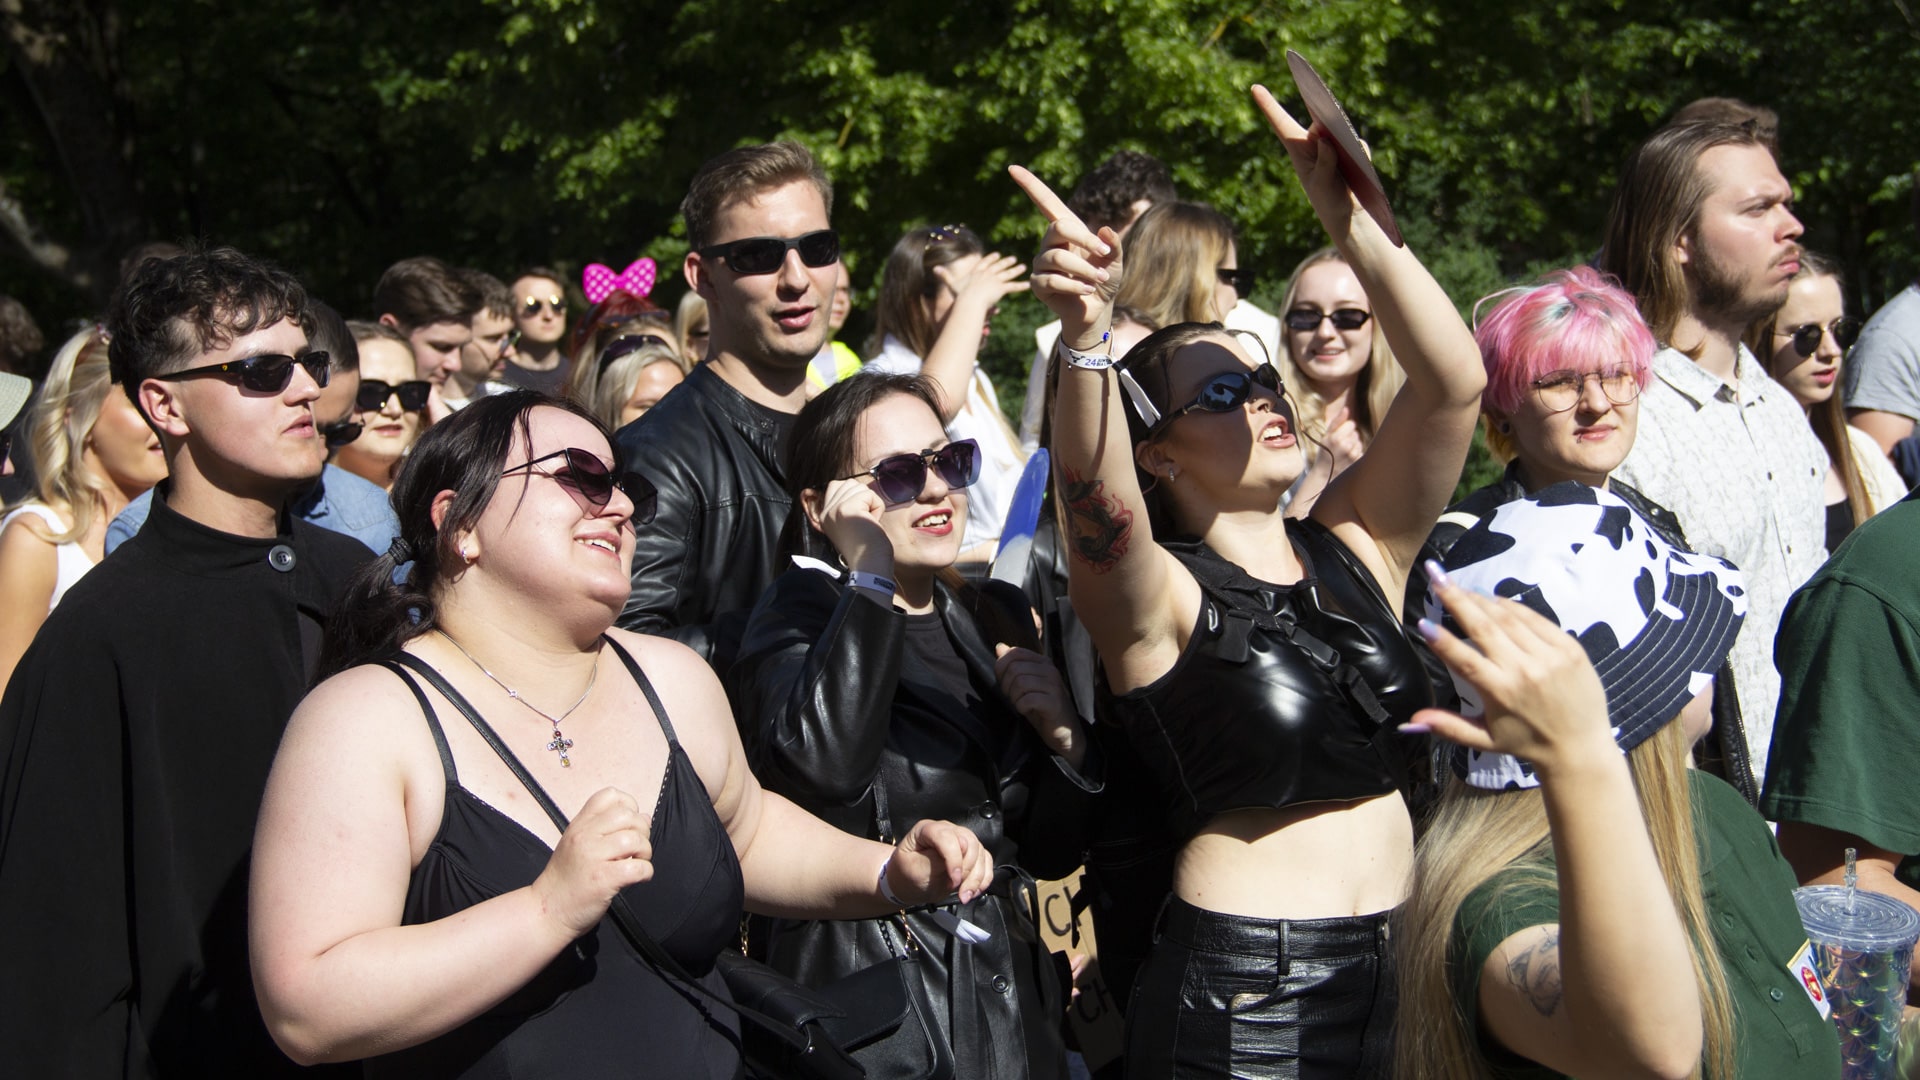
338,500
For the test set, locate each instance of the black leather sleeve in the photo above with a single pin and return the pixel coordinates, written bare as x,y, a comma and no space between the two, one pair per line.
664,566
813,688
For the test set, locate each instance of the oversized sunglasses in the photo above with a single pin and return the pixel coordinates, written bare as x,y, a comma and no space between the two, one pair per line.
533,304
341,432
1560,390
583,473
902,477
1806,339
268,373
764,254
1223,392
1241,279
628,345
373,395
1346,318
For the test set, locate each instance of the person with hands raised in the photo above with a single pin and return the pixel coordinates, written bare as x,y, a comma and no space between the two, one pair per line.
1254,661
462,820
876,688
1584,902
938,295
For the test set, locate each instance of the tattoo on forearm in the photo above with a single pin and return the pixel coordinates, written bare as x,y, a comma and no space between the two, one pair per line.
1100,525
1536,974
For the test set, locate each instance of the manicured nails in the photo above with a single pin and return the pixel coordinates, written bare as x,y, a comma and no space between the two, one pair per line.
1416,729
1428,628
1436,575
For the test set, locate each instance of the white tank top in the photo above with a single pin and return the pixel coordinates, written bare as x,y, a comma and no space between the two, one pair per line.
70,561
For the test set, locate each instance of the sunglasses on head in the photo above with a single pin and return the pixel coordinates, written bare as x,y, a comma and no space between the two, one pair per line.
533,304
764,254
373,395
1241,279
628,345
902,477
1806,339
268,373
1346,318
1561,390
583,473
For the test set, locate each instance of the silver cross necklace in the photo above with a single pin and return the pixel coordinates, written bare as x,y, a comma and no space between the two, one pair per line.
560,744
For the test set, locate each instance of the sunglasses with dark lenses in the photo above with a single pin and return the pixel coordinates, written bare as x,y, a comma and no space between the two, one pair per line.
373,394
1241,279
1224,392
628,345
1806,339
902,477
764,254
341,432
1561,390
583,473
268,373
1346,318
534,303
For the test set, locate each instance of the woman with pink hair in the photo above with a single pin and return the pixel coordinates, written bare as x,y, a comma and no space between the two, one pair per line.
1566,360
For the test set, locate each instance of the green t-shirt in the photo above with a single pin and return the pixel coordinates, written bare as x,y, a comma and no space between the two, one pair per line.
1749,893
1846,739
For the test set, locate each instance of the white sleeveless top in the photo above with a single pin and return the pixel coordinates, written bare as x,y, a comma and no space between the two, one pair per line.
70,561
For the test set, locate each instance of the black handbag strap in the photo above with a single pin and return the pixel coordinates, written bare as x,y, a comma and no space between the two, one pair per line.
623,918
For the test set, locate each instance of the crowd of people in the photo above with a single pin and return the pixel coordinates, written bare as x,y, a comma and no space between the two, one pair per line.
305,762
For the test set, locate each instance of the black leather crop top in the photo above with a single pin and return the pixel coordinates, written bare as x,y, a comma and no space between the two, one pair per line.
1286,694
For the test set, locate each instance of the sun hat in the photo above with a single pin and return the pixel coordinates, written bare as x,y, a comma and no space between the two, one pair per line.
14,392
1655,620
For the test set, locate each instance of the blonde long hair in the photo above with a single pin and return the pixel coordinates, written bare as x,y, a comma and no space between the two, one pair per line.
1476,834
1379,381
63,416
1174,254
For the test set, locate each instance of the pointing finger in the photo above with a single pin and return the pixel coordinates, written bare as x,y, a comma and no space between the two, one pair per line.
1065,221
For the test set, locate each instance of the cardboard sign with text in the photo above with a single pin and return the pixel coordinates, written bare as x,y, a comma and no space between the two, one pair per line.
1093,1015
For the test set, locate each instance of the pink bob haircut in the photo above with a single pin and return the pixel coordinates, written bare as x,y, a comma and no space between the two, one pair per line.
1576,319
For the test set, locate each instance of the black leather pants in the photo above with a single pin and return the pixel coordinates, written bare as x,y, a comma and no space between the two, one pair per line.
1272,999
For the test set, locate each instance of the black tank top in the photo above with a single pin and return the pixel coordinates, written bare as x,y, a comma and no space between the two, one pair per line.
1286,694
597,1010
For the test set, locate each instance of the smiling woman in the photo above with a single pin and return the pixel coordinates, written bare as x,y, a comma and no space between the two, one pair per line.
894,692
93,454
388,407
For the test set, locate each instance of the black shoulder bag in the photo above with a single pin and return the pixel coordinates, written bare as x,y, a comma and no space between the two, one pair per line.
876,1022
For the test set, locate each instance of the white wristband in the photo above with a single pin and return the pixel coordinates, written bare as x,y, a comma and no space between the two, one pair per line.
1090,361
860,579
886,890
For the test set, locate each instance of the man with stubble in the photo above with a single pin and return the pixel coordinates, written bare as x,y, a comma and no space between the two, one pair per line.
765,259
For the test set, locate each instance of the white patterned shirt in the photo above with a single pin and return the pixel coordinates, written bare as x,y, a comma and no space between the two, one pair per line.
1742,470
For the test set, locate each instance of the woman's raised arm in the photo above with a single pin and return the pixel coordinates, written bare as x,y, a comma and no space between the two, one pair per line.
1133,596
1389,500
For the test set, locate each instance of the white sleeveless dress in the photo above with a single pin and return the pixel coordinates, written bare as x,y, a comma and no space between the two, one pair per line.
71,562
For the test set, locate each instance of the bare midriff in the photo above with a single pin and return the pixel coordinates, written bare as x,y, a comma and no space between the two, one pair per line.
1313,861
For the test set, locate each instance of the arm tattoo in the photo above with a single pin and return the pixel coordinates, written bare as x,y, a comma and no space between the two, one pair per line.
1536,974
1099,525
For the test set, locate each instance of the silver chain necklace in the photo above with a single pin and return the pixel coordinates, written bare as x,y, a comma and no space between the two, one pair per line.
560,743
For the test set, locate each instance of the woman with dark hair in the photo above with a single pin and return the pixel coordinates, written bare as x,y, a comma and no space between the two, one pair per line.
1255,661
938,295
1802,346
892,692
412,902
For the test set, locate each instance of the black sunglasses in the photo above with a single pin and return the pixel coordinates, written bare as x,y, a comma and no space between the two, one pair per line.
268,373
1224,392
628,345
341,432
1241,279
585,474
1806,339
902,477
534,304
373,394
1346,318
764,254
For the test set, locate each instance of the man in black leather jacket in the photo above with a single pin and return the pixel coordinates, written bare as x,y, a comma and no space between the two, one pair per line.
714,445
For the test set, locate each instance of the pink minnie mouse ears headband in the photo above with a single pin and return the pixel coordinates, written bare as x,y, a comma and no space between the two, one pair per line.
599,280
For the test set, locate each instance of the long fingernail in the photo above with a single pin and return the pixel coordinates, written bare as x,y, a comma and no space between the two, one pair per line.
1428,629
1436,575
1416,729
1103,275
